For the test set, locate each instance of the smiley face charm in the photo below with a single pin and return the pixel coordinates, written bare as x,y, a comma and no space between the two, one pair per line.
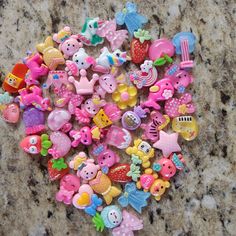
186,126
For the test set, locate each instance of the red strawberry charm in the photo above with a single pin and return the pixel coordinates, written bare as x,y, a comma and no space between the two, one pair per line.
57,168
139,46
118,173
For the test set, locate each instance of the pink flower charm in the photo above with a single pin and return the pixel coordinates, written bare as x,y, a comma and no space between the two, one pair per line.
175,107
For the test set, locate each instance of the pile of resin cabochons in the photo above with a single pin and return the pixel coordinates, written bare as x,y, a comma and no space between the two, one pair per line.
102,112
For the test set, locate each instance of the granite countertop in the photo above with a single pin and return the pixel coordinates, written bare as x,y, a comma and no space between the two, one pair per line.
200,200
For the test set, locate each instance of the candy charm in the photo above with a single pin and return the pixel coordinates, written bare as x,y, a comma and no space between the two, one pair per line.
184,43
51,56
102,185
146,77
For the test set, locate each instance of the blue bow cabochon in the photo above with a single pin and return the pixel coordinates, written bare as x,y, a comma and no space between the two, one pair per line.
92,208
134,197
130,18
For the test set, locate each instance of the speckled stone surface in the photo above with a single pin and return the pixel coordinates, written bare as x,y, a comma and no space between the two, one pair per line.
201,200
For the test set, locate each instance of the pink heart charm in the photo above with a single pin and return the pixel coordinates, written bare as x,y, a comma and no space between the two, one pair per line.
146,181
11,113
179,106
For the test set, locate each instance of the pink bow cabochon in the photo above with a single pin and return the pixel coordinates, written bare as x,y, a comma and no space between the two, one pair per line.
108,30
129,224
179,106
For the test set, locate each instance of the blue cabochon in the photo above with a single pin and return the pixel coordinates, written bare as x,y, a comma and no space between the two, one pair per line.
184,35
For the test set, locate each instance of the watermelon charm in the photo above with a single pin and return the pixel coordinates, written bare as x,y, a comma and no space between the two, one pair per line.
118,173
139,46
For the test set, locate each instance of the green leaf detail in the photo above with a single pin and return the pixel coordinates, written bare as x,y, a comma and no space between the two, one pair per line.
98,222
163,60
44,152
44,137
142,35
159,62
134,172
135,159
46,144
59,164
168,59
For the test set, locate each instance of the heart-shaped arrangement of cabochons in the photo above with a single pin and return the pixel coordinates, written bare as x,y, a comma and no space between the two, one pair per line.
103,112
